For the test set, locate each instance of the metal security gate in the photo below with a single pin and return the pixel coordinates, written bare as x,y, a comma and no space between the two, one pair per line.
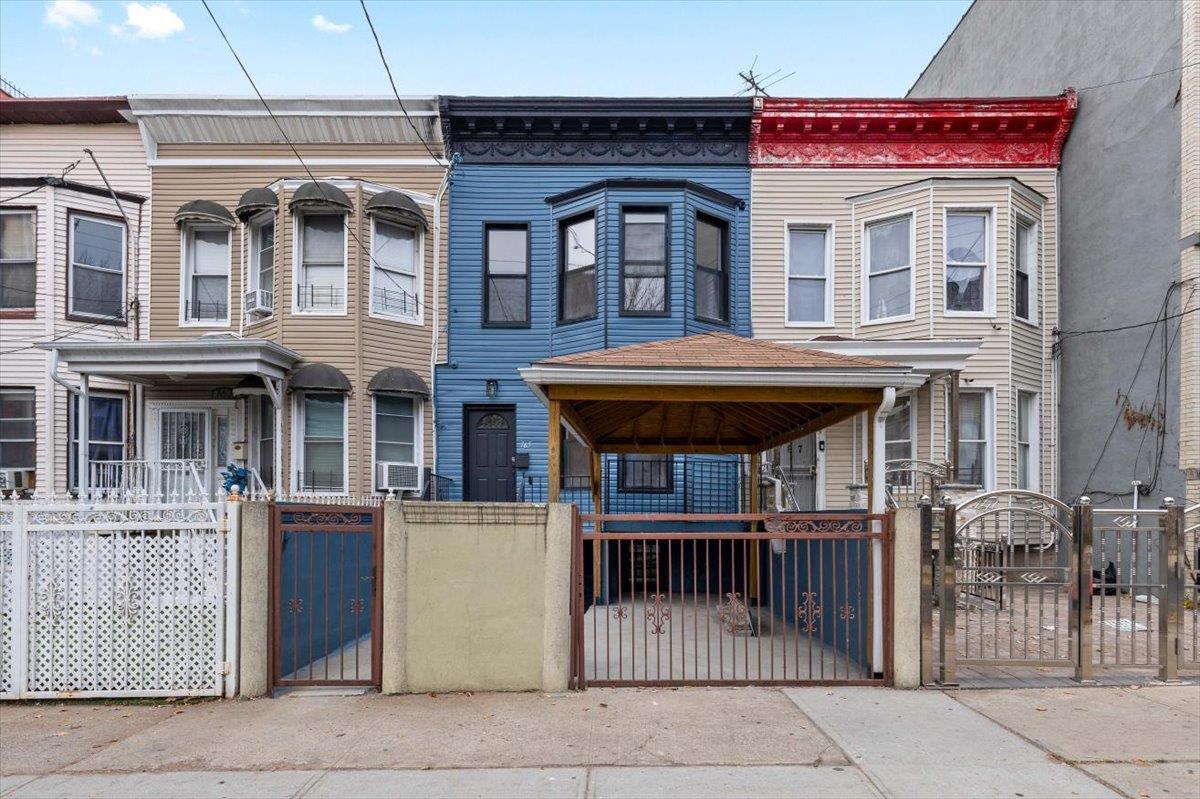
326,595
1022,580
736,599
112,599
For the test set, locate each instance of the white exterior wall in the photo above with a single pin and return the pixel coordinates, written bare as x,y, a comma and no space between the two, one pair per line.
28,151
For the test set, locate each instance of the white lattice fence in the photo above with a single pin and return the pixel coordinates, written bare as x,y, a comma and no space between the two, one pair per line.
112,599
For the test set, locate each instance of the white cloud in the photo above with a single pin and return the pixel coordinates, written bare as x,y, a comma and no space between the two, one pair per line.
150,21
69,13
320,23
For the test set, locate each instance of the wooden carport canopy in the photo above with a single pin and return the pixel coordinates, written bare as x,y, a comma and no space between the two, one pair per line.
712,393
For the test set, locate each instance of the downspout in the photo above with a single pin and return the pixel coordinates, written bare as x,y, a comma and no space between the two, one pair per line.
436,337
878,505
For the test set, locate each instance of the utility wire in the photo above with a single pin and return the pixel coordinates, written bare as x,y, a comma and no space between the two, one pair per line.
1139,77
392,81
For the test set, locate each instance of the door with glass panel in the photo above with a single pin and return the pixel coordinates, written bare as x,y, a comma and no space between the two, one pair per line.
191,440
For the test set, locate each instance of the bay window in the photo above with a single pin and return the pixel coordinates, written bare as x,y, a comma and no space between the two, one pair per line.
206,275
889,259
577,268
967,247
395,284
712,269
18,260
262,264
106,431
974,438
809,268
1025,272
322,450
321,278
96,274
644,262
506,275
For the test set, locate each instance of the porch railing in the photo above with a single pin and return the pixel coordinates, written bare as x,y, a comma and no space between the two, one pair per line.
147,480
909,479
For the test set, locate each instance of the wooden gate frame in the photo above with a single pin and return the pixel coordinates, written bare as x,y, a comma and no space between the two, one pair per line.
274,622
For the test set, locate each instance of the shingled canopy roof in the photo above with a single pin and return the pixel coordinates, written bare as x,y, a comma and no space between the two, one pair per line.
708,393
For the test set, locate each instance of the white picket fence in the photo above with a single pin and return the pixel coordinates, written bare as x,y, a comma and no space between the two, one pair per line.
117,599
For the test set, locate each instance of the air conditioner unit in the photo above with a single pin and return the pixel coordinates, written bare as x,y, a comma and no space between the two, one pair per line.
258,301
398,476
17,478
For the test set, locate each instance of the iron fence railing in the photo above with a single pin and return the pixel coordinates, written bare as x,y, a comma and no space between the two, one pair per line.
202,311
394,302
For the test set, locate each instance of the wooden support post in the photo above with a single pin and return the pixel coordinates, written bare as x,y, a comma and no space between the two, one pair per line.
952,456
554,450
755,479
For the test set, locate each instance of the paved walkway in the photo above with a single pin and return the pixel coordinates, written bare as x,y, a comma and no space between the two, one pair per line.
1087,742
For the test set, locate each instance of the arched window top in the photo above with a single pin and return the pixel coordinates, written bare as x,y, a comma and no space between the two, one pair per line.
492,421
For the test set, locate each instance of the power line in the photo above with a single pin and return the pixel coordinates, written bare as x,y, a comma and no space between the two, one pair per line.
33,344
392,81
1139,77
1065,334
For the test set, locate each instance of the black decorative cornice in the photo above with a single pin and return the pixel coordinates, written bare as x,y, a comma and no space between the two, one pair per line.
595,130
649,184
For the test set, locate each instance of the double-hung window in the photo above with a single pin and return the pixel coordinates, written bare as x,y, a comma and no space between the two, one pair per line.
262,265
106,432
577,268
97,268
506,275
644,262
647,474
18,429
1025,272
265,456
889,258
206,279
395,430
809,263
974,438
322,452
395,283
898,438
1027,440
967,247
712,269
18,260
321,284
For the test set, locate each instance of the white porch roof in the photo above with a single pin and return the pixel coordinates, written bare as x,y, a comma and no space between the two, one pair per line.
929,357
176,360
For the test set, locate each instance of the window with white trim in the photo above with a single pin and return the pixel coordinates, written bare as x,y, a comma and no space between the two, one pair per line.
262,264
889,285
18,260
321,282
1025,263
206,274
1028,423
321,455
897,431
106,432
265,455
809,264
97,268
395,283
967,247
18,429
645,262
395,430
974,438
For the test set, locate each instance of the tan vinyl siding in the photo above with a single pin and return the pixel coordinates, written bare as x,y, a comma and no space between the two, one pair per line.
1013,354
48,150
355,342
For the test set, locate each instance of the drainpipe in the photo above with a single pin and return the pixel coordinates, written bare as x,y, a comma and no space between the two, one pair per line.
436,337
878,505
83,430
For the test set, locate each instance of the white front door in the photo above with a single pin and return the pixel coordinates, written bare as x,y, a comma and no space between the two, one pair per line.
194,433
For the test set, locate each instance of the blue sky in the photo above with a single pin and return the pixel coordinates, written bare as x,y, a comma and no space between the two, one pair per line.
88,47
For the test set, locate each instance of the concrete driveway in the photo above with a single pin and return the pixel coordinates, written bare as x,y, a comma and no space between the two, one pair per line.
612,742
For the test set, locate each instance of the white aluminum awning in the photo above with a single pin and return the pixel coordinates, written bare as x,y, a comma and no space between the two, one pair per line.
930,357
177,360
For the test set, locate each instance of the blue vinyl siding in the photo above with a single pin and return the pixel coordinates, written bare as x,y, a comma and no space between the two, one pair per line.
482,194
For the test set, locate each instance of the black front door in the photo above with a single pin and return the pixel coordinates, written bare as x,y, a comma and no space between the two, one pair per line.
490,471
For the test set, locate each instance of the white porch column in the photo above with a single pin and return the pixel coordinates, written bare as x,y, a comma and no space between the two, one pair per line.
878,505
83,433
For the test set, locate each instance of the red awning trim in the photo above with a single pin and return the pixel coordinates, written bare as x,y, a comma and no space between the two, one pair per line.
890,133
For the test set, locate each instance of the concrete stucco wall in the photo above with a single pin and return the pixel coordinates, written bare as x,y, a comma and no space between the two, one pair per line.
476,597
906,599
1120,206
253,641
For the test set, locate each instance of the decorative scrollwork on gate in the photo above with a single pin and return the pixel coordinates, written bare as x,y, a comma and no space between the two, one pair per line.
620,612
52,600
809,612
326,518
295,605
127,600
357,605
734,615
846,612
799,524
658,614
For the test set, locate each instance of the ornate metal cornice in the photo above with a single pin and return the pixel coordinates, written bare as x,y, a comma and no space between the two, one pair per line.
589,130
999,132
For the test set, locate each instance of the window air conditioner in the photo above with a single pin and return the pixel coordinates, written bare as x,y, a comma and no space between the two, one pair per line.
258,301
398,476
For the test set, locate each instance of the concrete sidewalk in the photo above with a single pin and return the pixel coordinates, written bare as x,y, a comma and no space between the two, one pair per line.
616,742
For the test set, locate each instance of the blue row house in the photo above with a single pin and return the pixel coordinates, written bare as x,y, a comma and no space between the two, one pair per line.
579,224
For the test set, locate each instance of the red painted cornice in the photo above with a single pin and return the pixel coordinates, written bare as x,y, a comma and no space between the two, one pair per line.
964,132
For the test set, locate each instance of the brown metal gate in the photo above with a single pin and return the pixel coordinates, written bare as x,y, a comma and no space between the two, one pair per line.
731,599
326,595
